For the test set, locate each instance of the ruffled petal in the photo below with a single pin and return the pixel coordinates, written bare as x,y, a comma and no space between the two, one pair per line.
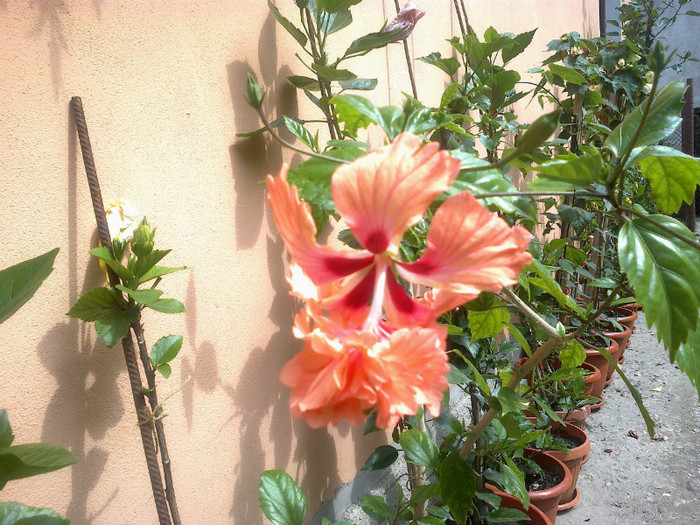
386,192
298,231
470,250
415,361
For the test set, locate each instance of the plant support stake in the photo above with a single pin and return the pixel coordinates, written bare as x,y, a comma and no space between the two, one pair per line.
142,413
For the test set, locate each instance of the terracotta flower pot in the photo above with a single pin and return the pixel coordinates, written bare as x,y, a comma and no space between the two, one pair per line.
548,500
591,378
573,459
575,417
537,517
594,357
626,316
621,338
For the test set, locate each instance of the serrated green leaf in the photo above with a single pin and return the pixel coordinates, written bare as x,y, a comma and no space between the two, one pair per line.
362,84
573,355
376,507
313,179
664,117
425,492
430,520
330,73
93,304
457,486
665,274
6,436
114,326
382,457
166,349
549,285
302,82
673,176
419,448
367,43
19,282
569,173
688,358
19,514
23,461
281,500
297,33
159,271
145,297
167,306
567,74
487,323
511,401
517,45
579,218
448,65
297,129
489,180
355,112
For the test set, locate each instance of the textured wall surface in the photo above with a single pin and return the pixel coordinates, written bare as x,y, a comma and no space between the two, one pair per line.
162,85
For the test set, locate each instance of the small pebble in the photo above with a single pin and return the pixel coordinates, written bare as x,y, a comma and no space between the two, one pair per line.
692,485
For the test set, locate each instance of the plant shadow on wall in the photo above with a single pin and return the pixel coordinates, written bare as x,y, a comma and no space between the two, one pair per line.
255,158
256,401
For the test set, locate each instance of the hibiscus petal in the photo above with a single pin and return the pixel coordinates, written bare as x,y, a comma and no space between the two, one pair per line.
298,231
401,309
470,250
386,192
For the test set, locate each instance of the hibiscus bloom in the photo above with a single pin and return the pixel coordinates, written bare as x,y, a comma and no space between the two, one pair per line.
405,20
369,343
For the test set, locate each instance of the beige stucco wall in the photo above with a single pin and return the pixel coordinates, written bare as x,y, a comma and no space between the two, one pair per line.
162,84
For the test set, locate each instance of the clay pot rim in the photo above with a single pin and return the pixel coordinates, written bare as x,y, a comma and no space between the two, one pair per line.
632,316
576,452
626,332
531,512
594,351
560,487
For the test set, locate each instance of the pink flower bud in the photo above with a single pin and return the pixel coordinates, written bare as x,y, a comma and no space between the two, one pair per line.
405,20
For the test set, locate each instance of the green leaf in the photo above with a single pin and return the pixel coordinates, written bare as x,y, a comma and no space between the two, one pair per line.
662,120
673,176
302,82
281,500
6,435
313,179
430,520
19,282
114,326
448,65
166,349
535,135
579,218
23,461
382,457
457,486
297,33
335,6
517,45
165,370
20,514
573,355
489,180
355,112
514,483
488,323
511,401
507,515
376,507
569,173
331,73
297,129
567,74
145,297
93,305
106,256
419,448
549,285
665,274
425,492
365,44
159,271
688,358
362,84
167,306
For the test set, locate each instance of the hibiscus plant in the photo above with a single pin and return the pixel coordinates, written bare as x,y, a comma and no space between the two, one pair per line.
442,274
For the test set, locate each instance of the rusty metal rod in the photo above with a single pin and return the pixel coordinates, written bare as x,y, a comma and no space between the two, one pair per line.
142,414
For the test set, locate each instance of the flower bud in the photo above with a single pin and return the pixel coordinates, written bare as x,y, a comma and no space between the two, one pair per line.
142,240
405,20
646,88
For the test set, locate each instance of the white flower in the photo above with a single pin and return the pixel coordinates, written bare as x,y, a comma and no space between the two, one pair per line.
122,219
596,87
646,88
621,62
649,76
